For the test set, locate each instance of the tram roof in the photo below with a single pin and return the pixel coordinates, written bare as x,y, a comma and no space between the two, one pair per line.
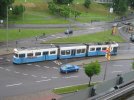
37,47
69,45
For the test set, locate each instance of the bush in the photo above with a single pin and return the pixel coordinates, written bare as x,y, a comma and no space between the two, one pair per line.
87,3
18,9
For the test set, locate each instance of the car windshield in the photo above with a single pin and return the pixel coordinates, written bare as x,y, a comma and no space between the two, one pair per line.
68,66
133,36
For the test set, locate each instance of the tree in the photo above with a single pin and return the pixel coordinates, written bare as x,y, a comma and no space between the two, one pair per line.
120,6
18,9
87,3
133,65
131,3
91,69
3,7
63,1
65,12
62,10
76,14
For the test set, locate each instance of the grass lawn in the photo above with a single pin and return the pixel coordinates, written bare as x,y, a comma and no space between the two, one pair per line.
97,37
37,13
70,89
14,34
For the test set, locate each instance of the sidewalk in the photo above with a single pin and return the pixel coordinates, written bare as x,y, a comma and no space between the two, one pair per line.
43,95
102,59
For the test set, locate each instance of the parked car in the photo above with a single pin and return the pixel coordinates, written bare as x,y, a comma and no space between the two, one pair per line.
69,68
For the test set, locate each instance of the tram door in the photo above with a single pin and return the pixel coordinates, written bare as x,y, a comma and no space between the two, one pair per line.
98,51
45,55
73,52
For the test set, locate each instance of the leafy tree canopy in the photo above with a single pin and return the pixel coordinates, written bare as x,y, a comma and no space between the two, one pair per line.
91,69
120,6
3,6
63,1
6,2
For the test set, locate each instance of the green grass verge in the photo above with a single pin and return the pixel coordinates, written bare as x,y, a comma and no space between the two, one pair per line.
14,34
37,13
96,37
70,89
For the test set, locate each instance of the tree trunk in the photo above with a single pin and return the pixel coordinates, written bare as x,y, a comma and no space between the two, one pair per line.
89,81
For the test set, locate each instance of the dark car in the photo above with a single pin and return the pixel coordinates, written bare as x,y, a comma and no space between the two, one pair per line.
69,68
132,37
69,31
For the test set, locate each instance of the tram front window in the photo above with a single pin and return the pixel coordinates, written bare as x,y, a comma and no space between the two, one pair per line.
16,55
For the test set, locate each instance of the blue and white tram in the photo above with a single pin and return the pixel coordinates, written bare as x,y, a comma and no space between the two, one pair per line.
99,50
71,51
27,55
34,54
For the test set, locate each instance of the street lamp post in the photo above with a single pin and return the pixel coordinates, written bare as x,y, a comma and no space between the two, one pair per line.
7,28
69,16
1,22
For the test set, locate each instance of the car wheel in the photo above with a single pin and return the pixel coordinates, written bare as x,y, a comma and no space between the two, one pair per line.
66,72
76,70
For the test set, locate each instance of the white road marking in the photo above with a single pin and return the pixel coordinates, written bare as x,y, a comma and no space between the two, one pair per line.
8,70
8,60
54,77
46,66
117,71
55,68
25,74
43,39
29,64
58,37
71,77
16,72
1,68
52,35
43,80
118,65
14,84
43,77
132,43
57,62
92,28
33,75
37,65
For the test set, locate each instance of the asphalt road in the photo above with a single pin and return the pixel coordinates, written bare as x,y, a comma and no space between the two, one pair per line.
25,78
22,79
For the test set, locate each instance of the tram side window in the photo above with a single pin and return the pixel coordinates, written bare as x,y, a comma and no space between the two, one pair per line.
52,52
21,55
63,52
104,48
83,51
29,54
67,52
45,53
92,49
37,53
98,49
78,51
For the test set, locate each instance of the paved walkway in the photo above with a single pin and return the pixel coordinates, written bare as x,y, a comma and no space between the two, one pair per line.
44,95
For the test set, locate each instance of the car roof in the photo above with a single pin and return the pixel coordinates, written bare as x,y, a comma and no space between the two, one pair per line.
68,65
